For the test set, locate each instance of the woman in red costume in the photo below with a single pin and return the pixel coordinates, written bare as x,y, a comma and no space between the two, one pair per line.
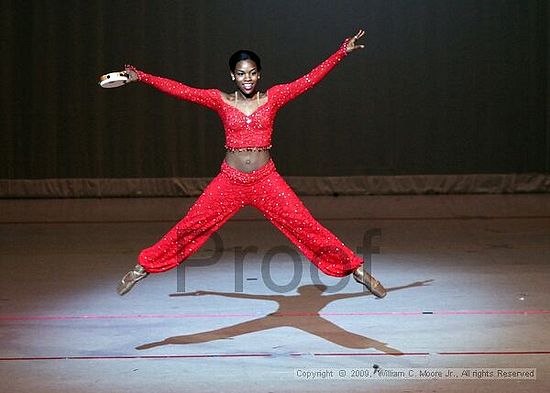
248,175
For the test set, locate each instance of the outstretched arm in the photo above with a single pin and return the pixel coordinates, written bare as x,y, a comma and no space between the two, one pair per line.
206,97
286,92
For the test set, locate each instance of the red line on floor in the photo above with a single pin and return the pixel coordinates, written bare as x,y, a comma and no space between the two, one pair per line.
486,353
121,357
491,312
131,316
242,315
268,355
374,354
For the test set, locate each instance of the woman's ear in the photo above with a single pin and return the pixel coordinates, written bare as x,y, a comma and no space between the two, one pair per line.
232,76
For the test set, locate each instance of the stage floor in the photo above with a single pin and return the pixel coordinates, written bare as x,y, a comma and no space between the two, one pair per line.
469,295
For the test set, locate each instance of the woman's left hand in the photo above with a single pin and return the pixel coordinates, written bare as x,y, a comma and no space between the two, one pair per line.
352,42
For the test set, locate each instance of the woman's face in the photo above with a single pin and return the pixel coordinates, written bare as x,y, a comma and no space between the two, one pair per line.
246,76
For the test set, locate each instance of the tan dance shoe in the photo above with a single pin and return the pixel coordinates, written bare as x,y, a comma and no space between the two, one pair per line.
372,284
130,279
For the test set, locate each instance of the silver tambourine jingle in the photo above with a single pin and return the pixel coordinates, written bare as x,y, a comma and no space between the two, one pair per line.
114,79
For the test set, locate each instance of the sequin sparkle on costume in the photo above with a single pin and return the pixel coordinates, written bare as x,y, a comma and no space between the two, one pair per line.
263,188
241,130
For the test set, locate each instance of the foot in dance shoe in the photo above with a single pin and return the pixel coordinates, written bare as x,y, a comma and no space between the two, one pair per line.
130,279
372,284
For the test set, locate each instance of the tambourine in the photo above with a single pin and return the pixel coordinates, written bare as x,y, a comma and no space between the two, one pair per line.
114,79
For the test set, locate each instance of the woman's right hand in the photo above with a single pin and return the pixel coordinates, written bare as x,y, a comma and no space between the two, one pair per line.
132,74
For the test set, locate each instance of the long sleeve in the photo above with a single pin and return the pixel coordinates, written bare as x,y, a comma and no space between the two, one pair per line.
207,97
284,93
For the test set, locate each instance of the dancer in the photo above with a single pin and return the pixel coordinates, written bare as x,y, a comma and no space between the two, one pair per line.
248,175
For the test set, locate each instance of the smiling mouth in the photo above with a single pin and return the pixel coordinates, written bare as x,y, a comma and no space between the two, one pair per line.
248,86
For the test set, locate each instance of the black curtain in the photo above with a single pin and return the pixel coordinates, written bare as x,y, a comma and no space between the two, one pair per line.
443,87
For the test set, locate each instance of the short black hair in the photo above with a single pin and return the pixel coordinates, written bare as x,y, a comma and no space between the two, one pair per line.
244,54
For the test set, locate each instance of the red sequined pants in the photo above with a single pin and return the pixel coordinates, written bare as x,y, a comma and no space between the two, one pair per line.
266,190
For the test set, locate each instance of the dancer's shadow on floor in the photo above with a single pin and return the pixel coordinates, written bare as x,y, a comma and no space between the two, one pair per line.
300,311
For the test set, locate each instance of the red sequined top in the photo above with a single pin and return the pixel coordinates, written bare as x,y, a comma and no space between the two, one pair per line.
242,131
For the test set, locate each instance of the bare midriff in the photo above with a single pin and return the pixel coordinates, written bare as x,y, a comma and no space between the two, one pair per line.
247,161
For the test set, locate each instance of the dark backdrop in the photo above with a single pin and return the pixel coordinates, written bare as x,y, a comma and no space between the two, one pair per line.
443,87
